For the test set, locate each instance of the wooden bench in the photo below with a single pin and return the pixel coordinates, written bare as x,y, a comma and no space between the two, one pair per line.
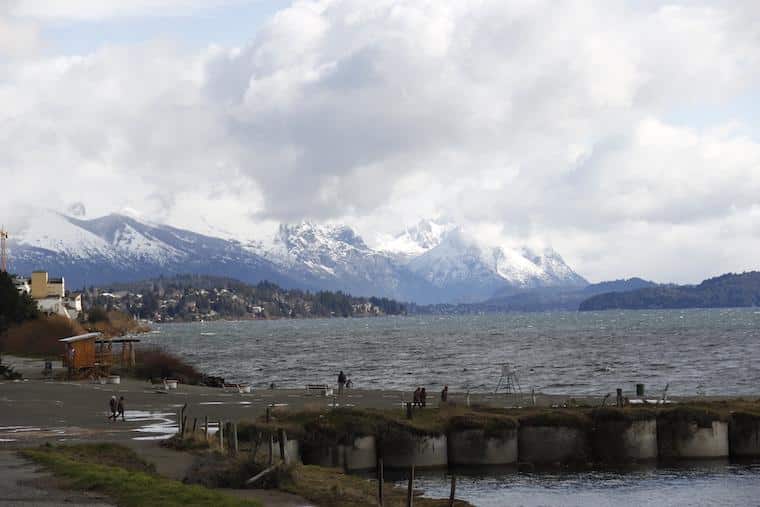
322,389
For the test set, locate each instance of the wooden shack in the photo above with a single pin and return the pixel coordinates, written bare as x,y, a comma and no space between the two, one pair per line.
104,351
80,352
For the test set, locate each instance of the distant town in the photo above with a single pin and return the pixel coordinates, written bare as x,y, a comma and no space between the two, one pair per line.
200,298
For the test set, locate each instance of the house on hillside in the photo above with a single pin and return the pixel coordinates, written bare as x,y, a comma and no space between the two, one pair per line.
50,294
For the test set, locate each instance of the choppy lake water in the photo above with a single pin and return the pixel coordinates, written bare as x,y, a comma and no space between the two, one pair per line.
710,351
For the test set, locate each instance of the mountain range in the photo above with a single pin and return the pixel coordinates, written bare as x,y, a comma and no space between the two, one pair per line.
432,262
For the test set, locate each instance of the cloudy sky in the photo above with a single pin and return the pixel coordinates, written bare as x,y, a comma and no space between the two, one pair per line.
624,134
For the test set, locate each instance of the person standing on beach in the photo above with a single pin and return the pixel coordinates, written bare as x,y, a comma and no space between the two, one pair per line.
423,398
120,409
112,404
416,398
341,382
445,394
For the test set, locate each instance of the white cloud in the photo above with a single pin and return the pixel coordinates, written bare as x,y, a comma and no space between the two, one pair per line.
546,121
90,10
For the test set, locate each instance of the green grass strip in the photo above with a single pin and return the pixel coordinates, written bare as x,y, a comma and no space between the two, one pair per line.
132,488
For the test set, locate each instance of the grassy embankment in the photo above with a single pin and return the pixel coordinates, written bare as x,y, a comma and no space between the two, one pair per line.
119,473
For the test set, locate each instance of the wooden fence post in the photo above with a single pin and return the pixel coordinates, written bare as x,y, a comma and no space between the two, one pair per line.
179,423
410,490
221,436
195,425
281,438
234,438
271,448
380,481
453,490
205,427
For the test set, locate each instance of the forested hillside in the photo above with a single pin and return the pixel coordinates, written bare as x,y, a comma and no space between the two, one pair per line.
729,290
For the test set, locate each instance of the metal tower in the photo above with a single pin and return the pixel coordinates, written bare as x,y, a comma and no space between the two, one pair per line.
508,380
3,250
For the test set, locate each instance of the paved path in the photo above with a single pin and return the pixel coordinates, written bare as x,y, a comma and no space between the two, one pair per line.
22,483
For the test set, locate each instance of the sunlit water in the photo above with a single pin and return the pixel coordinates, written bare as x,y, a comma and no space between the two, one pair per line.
710,351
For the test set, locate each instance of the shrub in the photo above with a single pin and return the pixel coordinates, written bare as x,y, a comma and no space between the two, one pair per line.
156,363
39,337
97,314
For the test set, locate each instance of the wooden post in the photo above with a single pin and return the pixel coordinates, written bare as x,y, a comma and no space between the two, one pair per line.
205,427
234,438
380,481
453,490
184,425
132,361
281,438
179,423
408,410
269,413
195,425
221,436
409,489
271,448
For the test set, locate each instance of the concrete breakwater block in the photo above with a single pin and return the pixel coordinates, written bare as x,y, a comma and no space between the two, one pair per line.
475,447
292,451
744,435
691,436
361,455
621,438
553,444
422,451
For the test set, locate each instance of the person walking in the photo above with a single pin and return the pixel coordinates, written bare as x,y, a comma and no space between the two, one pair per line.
112,403
341,382
120,409
416,398
445,394
423,398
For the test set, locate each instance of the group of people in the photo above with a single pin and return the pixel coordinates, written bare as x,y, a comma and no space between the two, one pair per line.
419,398
117,408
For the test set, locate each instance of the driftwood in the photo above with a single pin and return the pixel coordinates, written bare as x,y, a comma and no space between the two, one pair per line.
263,473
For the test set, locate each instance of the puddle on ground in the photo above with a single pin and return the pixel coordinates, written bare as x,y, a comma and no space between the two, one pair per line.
163,424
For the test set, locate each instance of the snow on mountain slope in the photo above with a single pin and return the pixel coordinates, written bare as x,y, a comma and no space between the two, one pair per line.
418,239
474,270
52,231
432,262
121,248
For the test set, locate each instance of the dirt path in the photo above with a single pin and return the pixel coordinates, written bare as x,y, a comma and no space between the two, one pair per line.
22,483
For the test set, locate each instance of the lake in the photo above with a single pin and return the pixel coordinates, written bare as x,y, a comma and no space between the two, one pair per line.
694,351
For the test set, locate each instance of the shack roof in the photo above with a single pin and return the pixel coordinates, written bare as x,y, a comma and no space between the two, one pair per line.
79,337
119,340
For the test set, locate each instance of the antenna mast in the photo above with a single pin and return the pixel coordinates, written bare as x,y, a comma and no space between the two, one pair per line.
3,250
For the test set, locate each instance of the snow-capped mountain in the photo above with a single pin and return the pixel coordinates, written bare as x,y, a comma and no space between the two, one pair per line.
432,262
121,248
469,270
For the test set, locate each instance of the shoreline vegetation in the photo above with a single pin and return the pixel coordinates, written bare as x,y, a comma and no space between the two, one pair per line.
189,298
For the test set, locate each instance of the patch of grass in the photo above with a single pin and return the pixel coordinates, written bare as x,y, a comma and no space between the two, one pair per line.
701,416
327,486
188,443
627,414
103,454
129,488
557,417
